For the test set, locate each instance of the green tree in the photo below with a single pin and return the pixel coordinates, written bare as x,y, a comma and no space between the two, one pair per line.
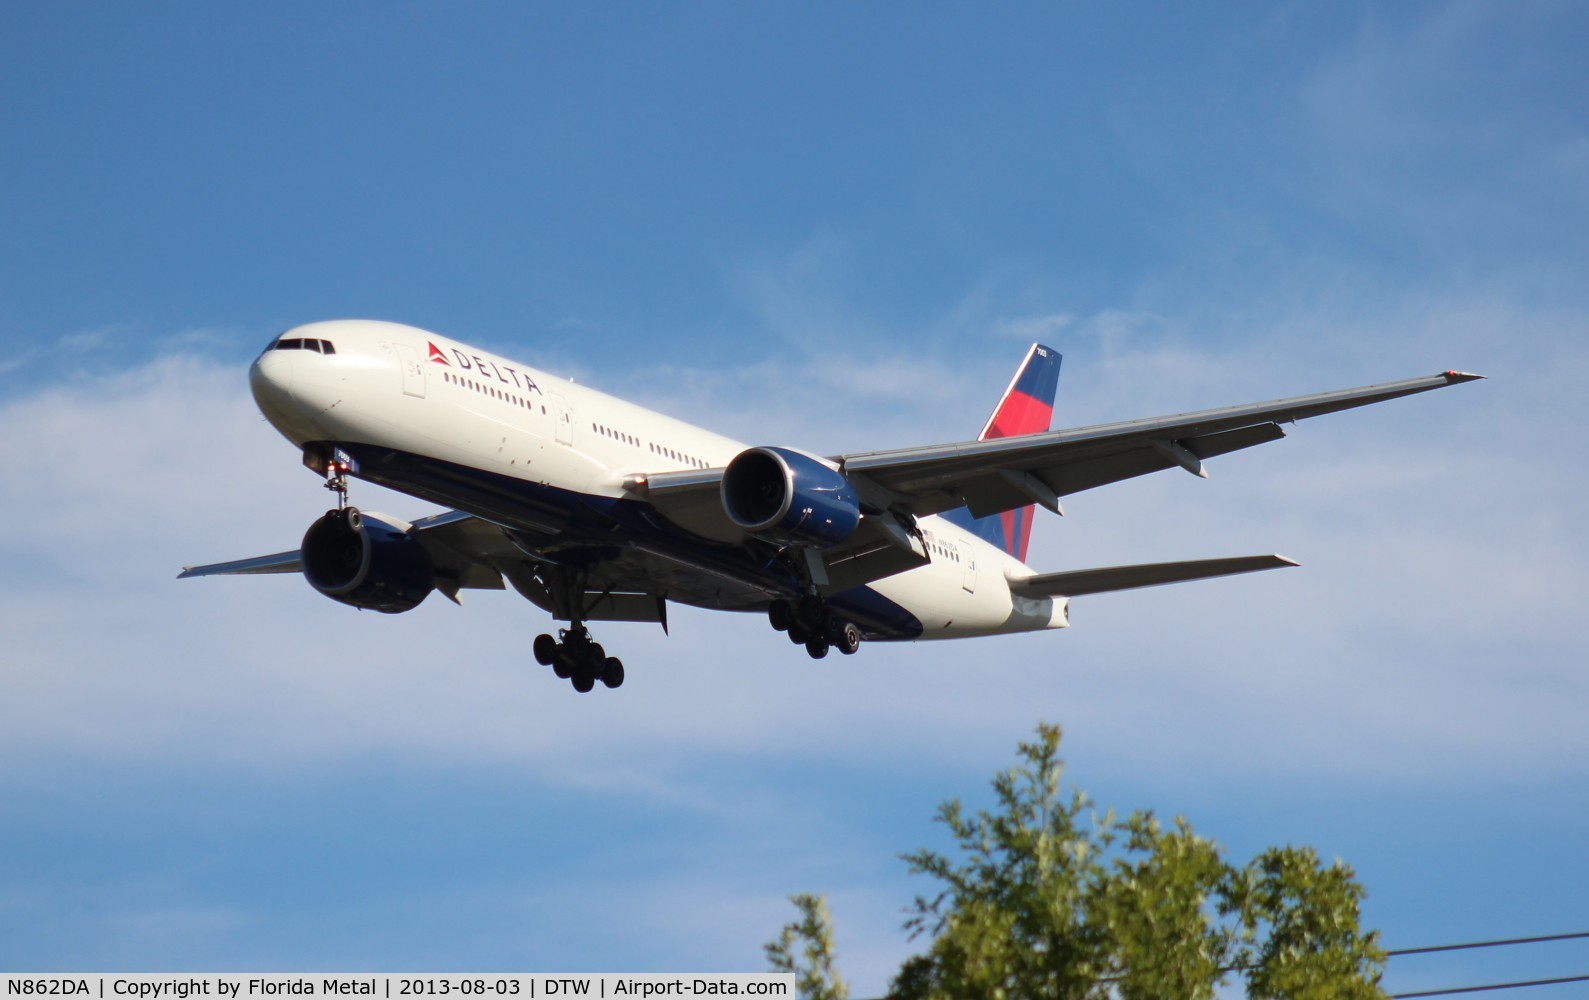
805,948
1152,909
1299,928
1044,898
1010,917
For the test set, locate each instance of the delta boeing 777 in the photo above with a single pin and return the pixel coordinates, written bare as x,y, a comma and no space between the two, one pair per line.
596,509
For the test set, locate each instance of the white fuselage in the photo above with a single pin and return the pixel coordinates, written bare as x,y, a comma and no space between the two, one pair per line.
402,388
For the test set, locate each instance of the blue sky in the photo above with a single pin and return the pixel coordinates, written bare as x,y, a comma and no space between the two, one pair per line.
835,227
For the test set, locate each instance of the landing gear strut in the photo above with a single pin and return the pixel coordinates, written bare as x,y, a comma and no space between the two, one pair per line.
337,480
578,658
811,623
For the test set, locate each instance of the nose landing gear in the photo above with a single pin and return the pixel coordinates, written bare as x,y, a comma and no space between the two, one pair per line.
811,623
337,468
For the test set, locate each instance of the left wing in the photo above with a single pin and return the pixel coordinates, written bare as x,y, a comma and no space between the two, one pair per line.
462,548
1005,473
281,562
999,474
468,553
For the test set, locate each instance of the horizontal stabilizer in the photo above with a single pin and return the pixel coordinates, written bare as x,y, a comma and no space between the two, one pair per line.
1107,578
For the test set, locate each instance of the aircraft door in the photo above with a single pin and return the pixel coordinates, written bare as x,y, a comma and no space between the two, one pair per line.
413,371
565,420
968,560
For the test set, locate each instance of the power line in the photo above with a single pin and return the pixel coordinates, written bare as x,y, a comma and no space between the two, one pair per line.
1453,991
1493,986
1486,944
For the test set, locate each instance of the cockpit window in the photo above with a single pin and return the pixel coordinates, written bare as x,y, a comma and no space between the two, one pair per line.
303,344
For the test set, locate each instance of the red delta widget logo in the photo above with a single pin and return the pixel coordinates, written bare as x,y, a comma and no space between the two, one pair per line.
484,368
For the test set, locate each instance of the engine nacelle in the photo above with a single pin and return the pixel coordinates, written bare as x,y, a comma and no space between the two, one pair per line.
361,560
790,498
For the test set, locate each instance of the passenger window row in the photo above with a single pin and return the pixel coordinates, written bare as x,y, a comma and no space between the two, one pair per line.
491,390
656,449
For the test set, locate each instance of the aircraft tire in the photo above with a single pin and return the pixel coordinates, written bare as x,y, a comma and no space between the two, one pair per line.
545,650
798,634
848,639
780,615
810,609
584,682
817,647
612,672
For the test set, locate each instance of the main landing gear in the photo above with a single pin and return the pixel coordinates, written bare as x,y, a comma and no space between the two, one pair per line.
810,622
578,658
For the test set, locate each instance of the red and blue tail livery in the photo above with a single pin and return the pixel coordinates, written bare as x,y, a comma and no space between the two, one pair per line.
1027,407
1028,404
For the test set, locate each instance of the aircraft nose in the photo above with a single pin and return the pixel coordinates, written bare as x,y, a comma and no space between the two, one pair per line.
270,378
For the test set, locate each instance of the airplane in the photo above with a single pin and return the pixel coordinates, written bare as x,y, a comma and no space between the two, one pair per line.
596,509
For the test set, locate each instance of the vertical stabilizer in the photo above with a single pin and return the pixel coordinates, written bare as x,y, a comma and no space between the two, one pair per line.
1026,407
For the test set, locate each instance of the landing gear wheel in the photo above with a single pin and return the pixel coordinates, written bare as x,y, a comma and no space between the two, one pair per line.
612,672
545,650
798,634
563,664
781,615
817,647
589,661
848,638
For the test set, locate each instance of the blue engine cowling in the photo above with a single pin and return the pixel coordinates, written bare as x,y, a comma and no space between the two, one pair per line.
790,498
361,560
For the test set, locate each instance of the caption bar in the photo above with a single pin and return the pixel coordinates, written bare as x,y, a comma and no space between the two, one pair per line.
418,986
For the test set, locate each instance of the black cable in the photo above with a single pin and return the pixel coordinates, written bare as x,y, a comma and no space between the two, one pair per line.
1459,947
1486,944
1493,986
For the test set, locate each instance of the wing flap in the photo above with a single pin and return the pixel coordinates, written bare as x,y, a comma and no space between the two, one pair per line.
1109,578
1085,472
464,550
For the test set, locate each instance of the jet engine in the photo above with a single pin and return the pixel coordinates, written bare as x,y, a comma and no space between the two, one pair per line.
789,497
363,560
